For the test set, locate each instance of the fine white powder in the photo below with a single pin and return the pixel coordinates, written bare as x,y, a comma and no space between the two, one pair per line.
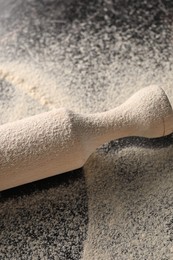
129,184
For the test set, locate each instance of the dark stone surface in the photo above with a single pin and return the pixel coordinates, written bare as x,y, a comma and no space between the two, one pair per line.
49,219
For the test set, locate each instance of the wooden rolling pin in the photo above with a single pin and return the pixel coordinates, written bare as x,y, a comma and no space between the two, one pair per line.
61,140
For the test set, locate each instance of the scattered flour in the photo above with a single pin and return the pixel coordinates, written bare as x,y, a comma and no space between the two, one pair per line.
91,58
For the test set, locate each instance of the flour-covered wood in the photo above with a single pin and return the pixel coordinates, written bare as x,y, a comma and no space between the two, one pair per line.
62,140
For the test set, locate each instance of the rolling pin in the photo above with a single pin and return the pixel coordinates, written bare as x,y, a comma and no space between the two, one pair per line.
62,140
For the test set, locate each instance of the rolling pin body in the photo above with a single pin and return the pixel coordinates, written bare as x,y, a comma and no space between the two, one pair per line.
61,140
